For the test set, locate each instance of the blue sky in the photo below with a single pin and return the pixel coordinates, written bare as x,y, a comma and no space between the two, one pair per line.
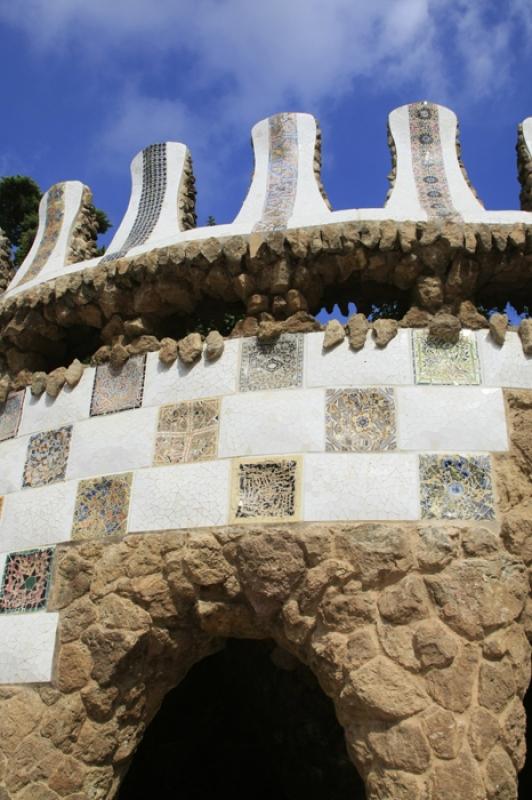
88,84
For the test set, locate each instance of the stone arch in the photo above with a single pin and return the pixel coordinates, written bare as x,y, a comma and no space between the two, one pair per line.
428,693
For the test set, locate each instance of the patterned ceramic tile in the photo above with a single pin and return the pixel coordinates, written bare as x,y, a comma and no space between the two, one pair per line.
55,212
444,363
187,431
427,161
10,413
26,581
118,389
272,365
266,489
102,506
456,487
47,456
151,199
282,173
360,419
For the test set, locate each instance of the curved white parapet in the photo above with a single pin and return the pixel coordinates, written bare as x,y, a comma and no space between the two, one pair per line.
153,213
429,181
527,134
269,433
58,214
284,191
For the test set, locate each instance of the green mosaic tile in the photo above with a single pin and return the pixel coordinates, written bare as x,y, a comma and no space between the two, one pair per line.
26,581
360,420
437,362
456,487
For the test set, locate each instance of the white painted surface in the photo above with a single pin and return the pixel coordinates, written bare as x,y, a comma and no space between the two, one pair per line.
261,423
36,517
347,486
448,418
12,460
181,496
463,199
113,443
130,216
44,412
404,197
252,207
27,643
371,366
527,133
168,222
505,366
203,379
309,206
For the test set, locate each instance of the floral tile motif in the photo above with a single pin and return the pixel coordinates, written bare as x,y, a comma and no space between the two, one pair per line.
47,456
359,420
282,173
427,161
456,487
187,432
272,365
266,489
55,212
118,389
439,362
10,413
102,506
26,581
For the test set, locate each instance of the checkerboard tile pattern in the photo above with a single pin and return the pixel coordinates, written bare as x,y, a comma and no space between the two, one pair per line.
26,581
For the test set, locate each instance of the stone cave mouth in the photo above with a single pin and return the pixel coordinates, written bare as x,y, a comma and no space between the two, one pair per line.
240,723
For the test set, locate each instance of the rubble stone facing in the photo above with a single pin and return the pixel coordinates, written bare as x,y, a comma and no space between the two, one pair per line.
416,631
441,264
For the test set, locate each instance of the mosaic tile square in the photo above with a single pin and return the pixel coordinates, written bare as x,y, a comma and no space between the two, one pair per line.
47,456
266,489
360,420
439,362
102,506
187,431
26,581
10,414
456,487
118,389
272,365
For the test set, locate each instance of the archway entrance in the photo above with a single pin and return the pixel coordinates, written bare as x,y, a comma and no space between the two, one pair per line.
251,721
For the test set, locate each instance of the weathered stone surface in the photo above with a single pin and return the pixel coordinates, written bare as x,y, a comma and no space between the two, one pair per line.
73,667
143,344
459,779
190,348
334,334
437,547
357,329
214,345
452,687
38,383
513,732
378,553
483,732
74,373
343,609
445,327
429,292
470,317
525,334
55,381
168,351
498,324
496,685
501,781
385,690
384,330
119,355
404,601
403,746
444,731
434,645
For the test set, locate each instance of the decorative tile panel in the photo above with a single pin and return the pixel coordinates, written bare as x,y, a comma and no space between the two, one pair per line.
118,389
427,161
187,432
26,581
266,490
10,413
47,456
272,365
282,173
360,419
437,362
456,487
55,211
102,506
154,176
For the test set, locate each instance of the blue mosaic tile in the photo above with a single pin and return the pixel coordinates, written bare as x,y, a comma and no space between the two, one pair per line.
456,487
26,581
102,506
47,457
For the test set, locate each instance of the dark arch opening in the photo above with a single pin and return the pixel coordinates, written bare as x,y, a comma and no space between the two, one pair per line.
238,723
525,778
